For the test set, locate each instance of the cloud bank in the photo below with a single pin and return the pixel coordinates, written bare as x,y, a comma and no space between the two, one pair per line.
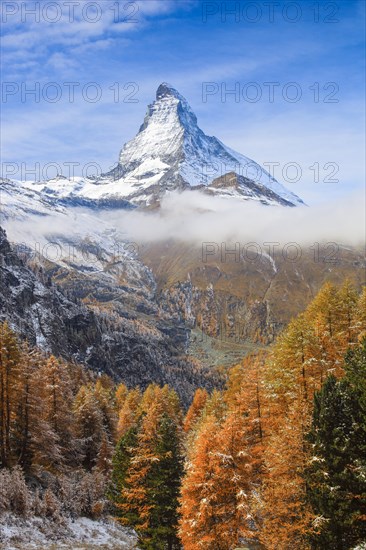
195,217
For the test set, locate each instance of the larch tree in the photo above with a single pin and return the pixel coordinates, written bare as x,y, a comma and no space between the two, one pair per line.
234,482
286,519
29,428
129,412
120,395
104,397
149,496
289,383
89,426
9,376
360,315
198,524
103,461
220,488
57,401
311,348
195,409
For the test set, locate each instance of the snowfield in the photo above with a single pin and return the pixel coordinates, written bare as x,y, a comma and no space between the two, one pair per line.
81,533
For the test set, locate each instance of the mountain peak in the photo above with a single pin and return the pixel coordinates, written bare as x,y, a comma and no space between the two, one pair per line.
171,152
167,90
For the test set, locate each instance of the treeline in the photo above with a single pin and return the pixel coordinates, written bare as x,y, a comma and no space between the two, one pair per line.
277,458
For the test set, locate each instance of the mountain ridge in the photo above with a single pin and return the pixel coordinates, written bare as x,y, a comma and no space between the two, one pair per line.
170,152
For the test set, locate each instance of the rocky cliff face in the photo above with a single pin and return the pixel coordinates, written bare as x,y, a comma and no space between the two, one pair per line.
125,348
234,185
39,312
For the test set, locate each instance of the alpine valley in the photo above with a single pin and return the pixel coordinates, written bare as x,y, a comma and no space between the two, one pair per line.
152,311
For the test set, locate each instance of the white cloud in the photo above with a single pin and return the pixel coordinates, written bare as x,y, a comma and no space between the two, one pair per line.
192,216
207,223
76,26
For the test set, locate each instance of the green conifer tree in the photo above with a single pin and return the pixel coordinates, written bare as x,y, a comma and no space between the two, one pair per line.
121,463
336,483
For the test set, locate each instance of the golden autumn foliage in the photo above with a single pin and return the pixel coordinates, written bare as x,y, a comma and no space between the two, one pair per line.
312,347
219,493
129,411
245,447
195,410
269,401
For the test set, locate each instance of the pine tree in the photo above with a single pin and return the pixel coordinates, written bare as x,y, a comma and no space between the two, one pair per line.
121,463
164,482
335,474
150,491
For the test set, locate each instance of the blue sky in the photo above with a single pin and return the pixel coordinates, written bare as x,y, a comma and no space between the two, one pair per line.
189,43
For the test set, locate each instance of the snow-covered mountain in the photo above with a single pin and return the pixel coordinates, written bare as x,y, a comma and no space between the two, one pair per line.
170,152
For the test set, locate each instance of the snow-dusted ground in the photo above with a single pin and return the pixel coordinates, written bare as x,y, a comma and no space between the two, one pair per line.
81,533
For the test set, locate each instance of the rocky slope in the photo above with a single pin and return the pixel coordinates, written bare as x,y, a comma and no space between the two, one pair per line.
244,301
119,341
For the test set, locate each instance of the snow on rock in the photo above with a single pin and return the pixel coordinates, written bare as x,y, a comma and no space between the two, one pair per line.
81,533
170,152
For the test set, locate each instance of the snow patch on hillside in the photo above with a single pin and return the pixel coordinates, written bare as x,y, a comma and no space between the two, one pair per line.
81,533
